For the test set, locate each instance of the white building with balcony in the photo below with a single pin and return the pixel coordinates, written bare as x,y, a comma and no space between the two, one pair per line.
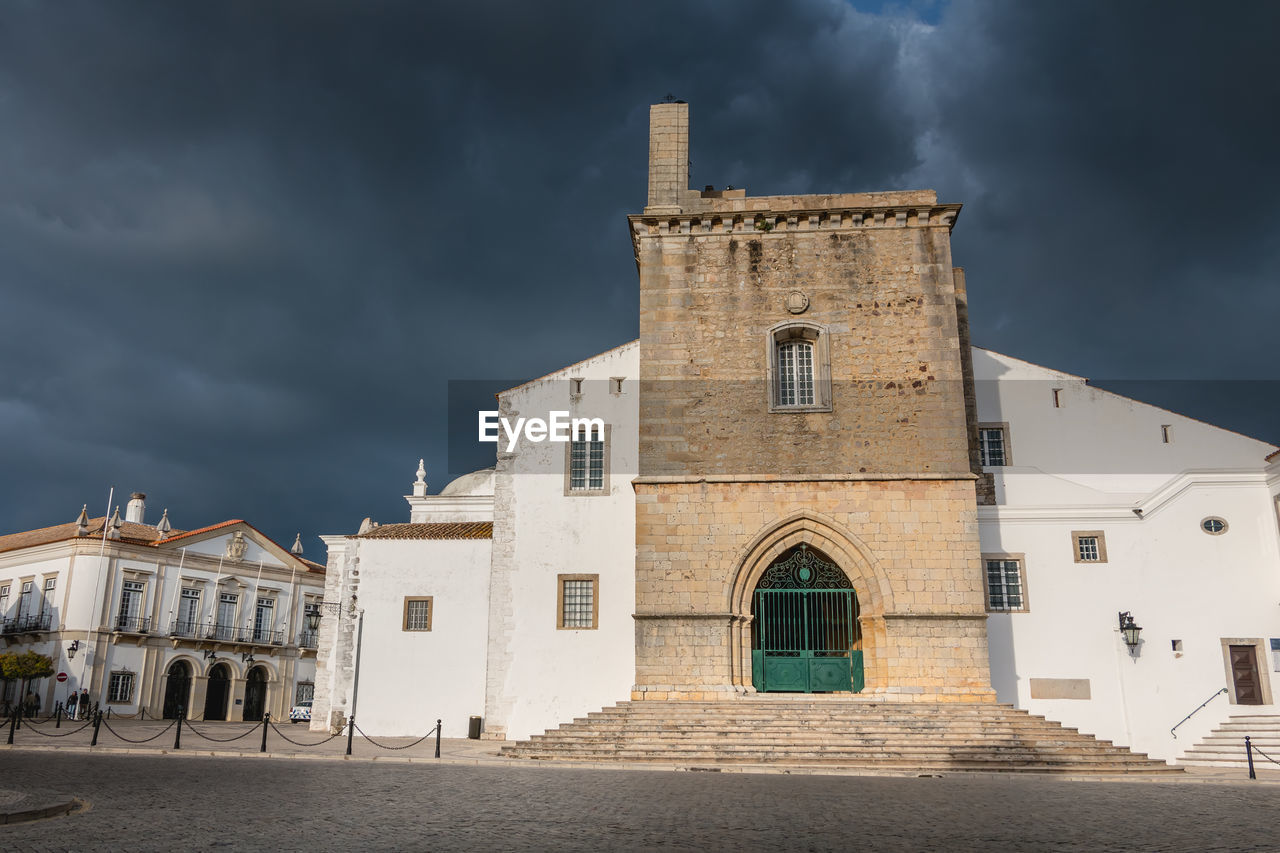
150,619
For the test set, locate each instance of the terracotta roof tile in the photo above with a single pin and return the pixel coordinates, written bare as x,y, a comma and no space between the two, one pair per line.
130,532
437,530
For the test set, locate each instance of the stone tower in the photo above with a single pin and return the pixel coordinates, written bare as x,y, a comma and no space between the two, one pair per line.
802,393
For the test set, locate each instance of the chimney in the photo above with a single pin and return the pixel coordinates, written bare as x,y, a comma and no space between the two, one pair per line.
668,156
136,509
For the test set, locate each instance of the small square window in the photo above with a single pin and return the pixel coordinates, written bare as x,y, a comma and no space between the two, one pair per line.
1005,583
417,613
1090,546
120,688
993,443
1166,433
577,601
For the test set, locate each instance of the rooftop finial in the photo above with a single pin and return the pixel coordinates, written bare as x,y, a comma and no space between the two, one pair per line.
296,550
115,525
420,485
82,521
164,526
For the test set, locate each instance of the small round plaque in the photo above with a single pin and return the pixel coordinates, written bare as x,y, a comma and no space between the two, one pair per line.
805,573
797,302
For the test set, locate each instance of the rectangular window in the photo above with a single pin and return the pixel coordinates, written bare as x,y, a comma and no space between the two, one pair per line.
188,612
24,600
587,465
993,442
226,627
129,617
46,607
120,688
1166,433
4,600
1090,546
1057,398
795,374
263,616
577,606
1005,584
306,692
417,613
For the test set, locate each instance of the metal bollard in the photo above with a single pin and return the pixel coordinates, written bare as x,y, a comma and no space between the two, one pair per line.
97,721
437,738
266,718
57,716
1248,751
177,735
13,721
351,729
19,713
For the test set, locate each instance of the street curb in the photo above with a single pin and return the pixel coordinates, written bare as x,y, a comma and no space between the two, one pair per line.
667,767
56,809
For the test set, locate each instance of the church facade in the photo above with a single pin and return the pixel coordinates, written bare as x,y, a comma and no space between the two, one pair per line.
807,480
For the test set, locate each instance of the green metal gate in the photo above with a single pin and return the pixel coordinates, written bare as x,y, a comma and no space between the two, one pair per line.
805,628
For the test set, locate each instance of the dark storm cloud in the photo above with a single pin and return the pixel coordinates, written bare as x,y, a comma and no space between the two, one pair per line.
243,247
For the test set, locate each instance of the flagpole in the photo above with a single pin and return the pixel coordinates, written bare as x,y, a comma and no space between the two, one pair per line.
91,652
177,587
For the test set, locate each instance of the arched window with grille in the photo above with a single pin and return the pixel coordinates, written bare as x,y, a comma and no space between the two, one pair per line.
799,368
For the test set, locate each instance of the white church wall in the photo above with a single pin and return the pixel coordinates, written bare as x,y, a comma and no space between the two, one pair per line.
1179,582
542,675
409,679
1094,443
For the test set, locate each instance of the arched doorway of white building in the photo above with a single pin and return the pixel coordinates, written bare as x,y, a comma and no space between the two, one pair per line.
218,692
177,689
805,633
255,693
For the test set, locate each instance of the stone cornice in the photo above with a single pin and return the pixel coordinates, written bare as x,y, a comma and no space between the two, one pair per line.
660,480
764,222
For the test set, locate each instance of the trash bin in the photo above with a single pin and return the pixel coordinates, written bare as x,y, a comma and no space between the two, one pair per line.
473,729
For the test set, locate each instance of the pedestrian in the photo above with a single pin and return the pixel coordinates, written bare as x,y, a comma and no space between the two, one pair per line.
84,704
35,705
28,704
71,705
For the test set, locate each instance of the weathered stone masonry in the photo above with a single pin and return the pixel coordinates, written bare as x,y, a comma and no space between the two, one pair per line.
882,482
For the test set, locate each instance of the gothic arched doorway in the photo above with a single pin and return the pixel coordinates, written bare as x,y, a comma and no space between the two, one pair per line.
177,689
255,693
805,636
215,700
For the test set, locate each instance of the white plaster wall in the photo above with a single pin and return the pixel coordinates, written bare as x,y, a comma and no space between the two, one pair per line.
550,676
1096,443
409,679
1179,582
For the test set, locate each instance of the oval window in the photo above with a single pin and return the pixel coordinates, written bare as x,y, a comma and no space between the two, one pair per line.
1213,526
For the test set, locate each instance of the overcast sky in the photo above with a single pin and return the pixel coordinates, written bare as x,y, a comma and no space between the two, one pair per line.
244,246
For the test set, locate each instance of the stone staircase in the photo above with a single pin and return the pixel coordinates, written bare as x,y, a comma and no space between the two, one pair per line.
1224,746
833,733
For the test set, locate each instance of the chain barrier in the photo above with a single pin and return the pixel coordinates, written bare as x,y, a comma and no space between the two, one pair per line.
64,734
383,746
1263,754
131,740
192,728
299,743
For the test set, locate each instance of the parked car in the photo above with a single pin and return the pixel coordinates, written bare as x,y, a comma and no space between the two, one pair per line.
300,713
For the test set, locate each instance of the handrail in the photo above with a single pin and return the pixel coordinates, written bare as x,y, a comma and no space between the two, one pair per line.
1196,711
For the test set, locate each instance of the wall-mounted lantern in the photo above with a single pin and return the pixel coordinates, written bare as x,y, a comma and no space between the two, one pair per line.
72,649
1130,630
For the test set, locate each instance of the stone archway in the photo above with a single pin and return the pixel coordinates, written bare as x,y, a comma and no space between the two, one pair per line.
255,693
177,689
867,578
218,692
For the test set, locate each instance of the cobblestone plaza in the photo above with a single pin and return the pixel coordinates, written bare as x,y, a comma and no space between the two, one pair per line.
174,802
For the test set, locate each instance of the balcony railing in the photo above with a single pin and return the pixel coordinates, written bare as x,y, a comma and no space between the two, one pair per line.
181,628
235,634
309,639
33,622
134,624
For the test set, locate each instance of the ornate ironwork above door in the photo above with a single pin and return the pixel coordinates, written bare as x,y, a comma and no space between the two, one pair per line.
804,569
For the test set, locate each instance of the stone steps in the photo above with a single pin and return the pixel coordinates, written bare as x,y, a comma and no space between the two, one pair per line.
895,737
1224,746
